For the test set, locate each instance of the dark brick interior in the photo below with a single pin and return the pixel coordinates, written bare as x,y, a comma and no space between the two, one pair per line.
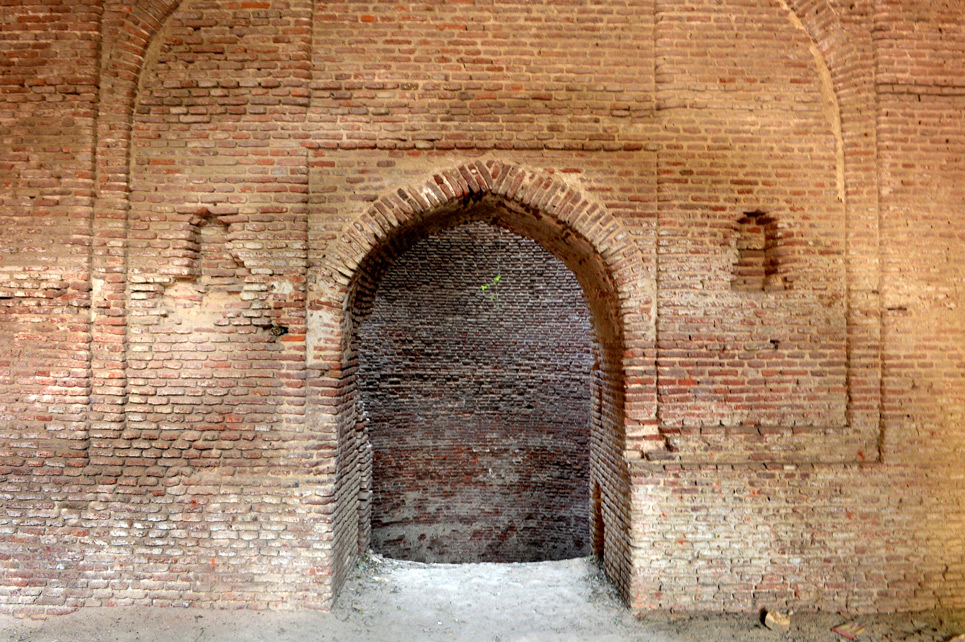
478,402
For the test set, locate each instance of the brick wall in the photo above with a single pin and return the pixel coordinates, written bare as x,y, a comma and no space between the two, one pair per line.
192,194
48,93
47,116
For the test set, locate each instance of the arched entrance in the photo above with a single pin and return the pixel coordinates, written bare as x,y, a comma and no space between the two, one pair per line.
564,221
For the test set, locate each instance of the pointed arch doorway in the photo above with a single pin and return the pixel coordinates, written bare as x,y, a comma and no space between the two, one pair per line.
563,221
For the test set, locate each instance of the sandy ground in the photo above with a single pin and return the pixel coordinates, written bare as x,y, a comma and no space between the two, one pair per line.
388,600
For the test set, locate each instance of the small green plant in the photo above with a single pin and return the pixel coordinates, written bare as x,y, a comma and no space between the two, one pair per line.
493,289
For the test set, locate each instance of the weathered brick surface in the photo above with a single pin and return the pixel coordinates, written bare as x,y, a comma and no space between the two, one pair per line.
48,106
729,356
815,536
459,76
47,116
195,194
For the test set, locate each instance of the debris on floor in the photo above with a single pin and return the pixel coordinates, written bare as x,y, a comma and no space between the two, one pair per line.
776,620
850,630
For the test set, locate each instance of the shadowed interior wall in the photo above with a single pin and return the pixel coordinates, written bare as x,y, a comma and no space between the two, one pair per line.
478,408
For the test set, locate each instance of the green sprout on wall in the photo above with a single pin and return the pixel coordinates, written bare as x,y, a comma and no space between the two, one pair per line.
493,289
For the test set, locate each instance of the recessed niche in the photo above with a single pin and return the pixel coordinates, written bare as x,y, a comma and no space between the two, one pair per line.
757,268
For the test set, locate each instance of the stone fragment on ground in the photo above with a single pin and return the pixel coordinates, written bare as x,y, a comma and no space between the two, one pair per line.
777,621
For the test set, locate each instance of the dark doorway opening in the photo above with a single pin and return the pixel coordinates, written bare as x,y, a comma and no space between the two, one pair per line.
475,355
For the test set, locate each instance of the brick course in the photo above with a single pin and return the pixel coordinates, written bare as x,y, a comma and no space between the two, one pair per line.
194,197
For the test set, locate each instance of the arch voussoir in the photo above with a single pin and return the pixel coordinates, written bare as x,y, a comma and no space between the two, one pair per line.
455,180
468,175
415,198
484,172
518,177
377,224
507,177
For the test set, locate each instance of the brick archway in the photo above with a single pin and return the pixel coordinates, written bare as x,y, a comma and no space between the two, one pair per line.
564,220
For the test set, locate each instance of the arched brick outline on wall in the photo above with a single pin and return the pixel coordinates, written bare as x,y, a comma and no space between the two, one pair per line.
849,60
844,61
560,217
129,30
126,34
